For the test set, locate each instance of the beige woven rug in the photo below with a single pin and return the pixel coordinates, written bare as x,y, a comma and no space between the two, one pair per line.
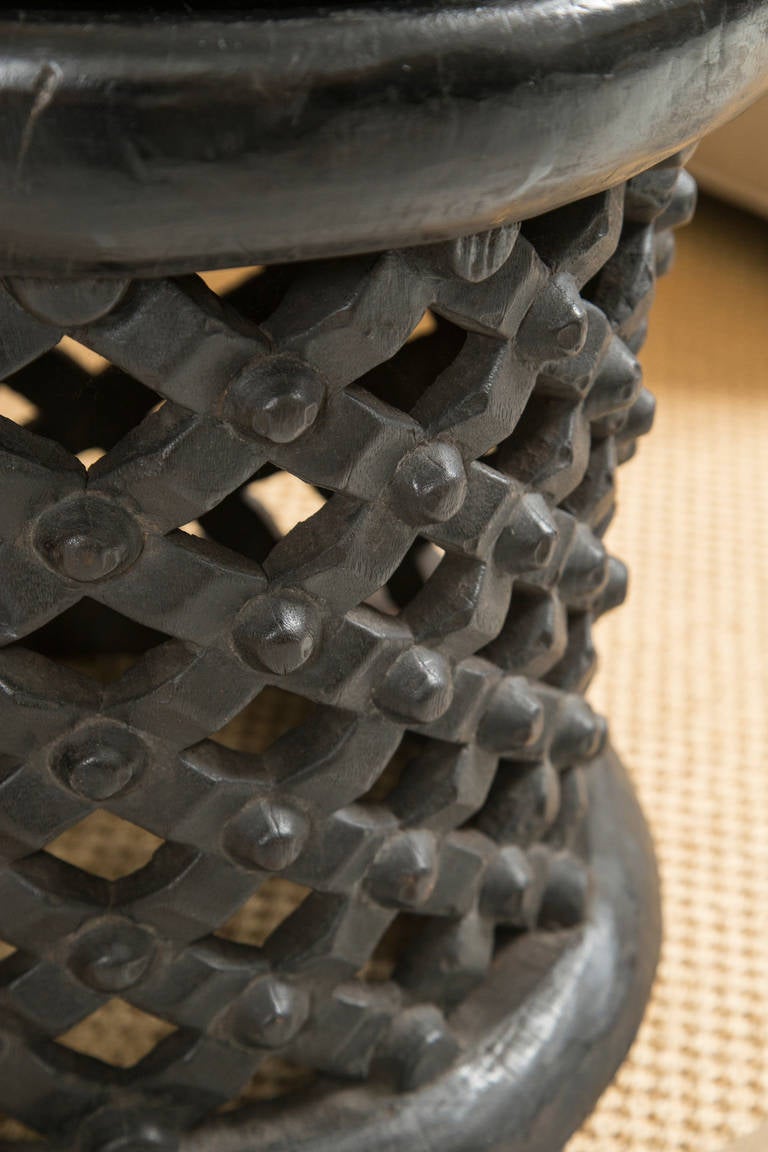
684,680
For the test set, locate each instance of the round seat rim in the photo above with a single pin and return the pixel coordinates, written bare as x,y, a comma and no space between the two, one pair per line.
170,145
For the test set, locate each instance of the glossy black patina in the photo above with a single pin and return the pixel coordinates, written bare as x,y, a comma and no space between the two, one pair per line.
167,144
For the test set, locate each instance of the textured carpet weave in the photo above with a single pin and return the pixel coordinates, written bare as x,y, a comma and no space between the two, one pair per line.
684,680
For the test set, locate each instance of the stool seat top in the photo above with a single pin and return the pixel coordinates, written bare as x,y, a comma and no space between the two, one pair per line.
164,140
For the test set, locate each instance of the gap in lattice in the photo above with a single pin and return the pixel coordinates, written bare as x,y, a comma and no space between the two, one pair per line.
420,562
80,410
253,518
15,407
393,944
284,499
406,376
194,528
274,1079
222,281
426,326
117,1033
92,362
411,746
105,845
537,436
13,1132
95,640
260,290
269,715
264,912
90,456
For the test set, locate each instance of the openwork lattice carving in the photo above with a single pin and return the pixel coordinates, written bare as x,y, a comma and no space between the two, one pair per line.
436,610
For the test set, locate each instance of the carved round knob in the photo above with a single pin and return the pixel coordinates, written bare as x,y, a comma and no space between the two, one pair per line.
278,397
418,1048
556,323
514,718
579,733
507,888
430,484
585,571
112,955
567,892
404,873
270,1013
475,257
123,1130
639,419
616,385
68,303
615,591
418,687
100,760
88,538
528,542
267,834
278,632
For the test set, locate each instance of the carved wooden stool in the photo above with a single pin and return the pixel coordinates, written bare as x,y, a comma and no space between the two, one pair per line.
473,903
